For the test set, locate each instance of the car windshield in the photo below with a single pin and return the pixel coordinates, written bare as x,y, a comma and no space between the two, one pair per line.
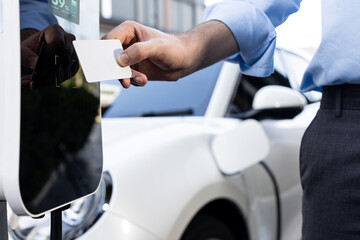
188,96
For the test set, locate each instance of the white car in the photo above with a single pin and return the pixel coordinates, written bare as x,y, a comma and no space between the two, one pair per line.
212,156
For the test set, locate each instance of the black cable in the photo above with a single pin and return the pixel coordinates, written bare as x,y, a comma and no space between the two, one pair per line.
277,196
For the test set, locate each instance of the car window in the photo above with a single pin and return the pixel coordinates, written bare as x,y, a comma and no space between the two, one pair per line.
248,86
296,66
188,96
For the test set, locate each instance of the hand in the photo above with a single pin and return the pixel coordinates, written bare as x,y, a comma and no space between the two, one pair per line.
152,54
155,55
52,41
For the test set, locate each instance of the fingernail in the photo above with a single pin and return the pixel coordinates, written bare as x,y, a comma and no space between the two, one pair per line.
123,59
137,81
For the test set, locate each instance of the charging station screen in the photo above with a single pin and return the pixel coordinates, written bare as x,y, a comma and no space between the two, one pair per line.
61,145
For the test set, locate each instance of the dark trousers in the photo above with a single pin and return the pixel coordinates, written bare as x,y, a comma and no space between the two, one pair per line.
330,167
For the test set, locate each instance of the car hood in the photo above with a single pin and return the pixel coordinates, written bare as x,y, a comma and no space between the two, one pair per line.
142,138
167,161
122,129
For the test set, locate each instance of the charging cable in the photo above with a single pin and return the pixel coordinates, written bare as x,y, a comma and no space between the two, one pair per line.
56,223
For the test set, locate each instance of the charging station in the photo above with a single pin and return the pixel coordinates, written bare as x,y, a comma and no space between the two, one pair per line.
50,129
9,98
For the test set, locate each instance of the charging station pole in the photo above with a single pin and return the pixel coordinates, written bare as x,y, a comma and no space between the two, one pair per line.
75,147
3,221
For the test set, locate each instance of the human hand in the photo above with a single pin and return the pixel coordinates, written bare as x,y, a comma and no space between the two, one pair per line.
53,42
152,54
155,55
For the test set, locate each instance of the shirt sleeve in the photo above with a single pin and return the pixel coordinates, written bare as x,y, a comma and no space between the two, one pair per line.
34,14
253,24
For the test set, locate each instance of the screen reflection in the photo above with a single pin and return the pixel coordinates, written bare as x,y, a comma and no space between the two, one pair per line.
61,149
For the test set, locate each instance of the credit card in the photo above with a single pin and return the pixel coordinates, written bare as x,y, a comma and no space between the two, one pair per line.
98,60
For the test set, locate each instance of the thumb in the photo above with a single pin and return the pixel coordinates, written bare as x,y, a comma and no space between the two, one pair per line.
137,53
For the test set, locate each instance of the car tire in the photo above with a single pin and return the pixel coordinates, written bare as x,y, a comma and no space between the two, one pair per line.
205,227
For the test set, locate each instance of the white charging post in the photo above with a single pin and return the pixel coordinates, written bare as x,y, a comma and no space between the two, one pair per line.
9,100
70,167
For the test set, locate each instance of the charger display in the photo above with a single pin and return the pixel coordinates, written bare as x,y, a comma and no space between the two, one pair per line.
60,134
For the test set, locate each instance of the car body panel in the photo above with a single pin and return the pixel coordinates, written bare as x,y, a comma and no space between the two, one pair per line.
180,152
241,147
164,170
111,225
224,88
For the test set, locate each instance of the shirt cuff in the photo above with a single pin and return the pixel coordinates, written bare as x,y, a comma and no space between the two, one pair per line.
254,33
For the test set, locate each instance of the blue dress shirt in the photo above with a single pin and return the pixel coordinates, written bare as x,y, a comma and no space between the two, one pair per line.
34,14
253,23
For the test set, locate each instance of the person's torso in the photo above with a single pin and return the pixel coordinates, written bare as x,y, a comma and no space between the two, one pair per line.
337,61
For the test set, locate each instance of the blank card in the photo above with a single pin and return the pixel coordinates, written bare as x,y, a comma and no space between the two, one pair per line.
98,60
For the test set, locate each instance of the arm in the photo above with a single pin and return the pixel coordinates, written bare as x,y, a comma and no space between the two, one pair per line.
253,24
161,56
243,27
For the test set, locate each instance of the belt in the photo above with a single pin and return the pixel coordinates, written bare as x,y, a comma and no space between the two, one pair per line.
338,97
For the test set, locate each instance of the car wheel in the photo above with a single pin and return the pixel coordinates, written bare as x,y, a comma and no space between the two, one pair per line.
205,227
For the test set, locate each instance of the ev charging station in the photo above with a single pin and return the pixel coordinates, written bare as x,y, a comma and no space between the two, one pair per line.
50,129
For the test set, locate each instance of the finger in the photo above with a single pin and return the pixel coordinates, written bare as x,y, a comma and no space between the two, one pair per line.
138,79
34,42
138,52
28,58
25,81
154,72
55,38
125,82
125,32
69,56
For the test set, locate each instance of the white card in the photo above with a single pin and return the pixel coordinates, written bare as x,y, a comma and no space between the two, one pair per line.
98,60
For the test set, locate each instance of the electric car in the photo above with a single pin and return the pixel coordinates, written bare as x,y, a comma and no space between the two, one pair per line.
212,156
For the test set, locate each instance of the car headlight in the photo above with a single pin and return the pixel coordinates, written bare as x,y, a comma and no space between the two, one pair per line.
80,217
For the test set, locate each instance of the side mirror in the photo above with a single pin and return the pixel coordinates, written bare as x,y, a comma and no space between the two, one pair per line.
275,97
240,148
275,102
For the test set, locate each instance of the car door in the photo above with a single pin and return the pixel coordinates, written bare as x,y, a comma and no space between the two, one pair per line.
285,135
